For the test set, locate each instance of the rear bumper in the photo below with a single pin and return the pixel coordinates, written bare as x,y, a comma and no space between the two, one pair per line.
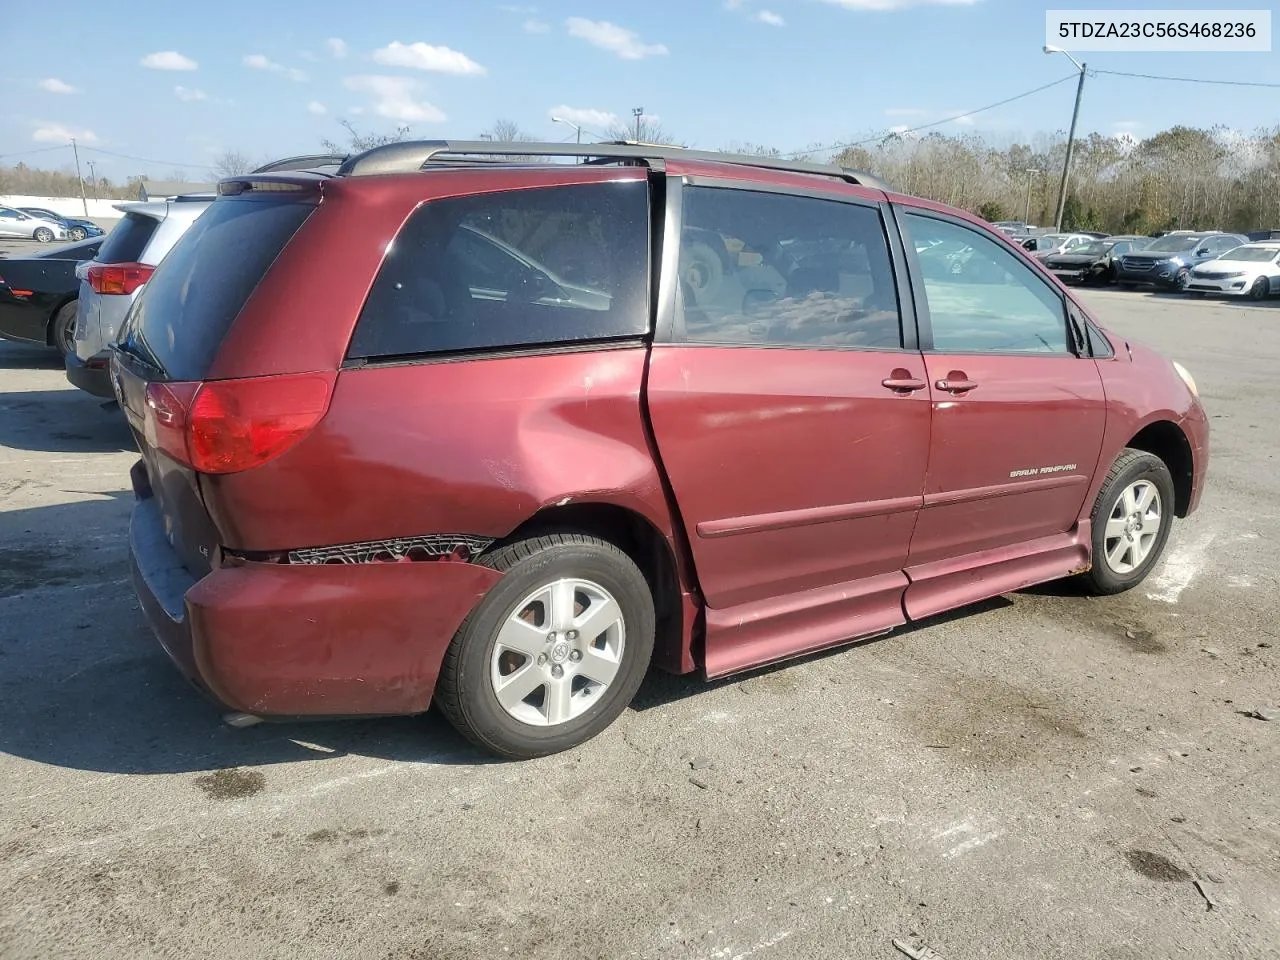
92,376
274,639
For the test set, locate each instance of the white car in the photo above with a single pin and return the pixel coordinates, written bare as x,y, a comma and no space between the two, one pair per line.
1249,270
1051,243
15,223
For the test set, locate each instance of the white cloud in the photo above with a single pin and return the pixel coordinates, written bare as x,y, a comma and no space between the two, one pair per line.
316,107
54,85
168,60
905,112
189,94
600,120
883,5
536,26
900,128
337,47
769,17
423,56
256,61
961,118
609,36
60,133
394,98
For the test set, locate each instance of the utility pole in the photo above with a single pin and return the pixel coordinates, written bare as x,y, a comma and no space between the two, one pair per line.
1026,216
638,113
1071,135
83,201
93,178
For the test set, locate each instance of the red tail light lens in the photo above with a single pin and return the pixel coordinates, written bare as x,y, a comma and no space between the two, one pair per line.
118,278
225,426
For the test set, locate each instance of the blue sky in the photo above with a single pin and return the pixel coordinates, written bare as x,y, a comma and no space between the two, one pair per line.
179,84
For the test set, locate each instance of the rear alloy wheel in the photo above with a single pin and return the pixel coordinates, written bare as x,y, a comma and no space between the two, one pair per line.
554,653
1130,522
44,234
62,330
1261,287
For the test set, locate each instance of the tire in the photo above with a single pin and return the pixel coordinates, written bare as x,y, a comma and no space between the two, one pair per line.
1260,289
78,233
1181,279
479,659
62,329
44,235
1135,471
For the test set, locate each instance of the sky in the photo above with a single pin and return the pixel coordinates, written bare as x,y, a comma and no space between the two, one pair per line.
172,86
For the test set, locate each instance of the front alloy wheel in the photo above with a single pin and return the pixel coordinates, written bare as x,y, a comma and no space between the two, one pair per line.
1130,522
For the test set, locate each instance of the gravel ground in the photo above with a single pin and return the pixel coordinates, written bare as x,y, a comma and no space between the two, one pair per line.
1040,776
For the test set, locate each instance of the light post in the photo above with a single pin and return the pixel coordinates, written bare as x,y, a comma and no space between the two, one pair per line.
569,123
1071,135
1026,215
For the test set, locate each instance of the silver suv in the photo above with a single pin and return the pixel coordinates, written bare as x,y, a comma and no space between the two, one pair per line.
110,281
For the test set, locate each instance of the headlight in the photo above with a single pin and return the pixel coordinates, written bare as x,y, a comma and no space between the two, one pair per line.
1186,378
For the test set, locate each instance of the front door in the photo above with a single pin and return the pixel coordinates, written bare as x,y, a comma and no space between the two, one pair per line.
792,421
1018,414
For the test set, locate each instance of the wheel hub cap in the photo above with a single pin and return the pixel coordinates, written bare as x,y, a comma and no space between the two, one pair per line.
1133,527
560,652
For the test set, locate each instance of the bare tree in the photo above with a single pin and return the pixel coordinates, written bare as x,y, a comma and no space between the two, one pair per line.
506,131
650,132
358,142
232,163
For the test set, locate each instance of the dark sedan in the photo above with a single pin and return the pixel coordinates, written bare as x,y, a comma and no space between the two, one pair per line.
1094,262
77,229
38,295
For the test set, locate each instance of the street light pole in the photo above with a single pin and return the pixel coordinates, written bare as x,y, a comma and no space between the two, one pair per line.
1026,216
577,130
79,179
638,113
1071,134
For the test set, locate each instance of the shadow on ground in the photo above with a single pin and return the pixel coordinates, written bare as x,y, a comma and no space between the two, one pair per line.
62,421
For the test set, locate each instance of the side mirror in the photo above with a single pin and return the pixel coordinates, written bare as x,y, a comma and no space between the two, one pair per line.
1202,252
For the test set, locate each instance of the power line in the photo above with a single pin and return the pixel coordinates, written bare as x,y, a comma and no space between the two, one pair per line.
935,123
1224,83
23,153
166,163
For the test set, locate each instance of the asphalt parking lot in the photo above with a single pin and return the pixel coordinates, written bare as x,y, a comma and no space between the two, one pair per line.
1041,776
10,247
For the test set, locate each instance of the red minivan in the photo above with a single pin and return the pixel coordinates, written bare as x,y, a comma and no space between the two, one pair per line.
424,426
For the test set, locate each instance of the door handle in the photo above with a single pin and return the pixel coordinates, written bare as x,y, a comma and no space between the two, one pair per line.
903,384
957,386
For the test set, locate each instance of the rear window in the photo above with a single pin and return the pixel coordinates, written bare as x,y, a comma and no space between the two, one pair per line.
125,243
546,265
185,310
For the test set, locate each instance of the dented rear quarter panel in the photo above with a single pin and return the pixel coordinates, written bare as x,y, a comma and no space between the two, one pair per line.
474,447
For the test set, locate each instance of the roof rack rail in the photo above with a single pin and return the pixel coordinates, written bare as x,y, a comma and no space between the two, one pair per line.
306,162
412,155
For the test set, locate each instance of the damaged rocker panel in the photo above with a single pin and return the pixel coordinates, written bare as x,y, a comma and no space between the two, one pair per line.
437,546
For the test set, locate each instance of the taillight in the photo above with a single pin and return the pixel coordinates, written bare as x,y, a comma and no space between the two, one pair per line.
118,278
225,426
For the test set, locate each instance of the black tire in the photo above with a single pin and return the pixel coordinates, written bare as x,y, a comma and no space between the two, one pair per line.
1261,287
464,691
1181,279
62,329
78,233
44,235
1130,467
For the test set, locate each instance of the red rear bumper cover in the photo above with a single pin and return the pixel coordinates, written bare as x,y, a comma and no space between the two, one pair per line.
276,639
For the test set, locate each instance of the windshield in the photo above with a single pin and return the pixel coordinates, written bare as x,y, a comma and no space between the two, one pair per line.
1172,244
1050,240
1252,254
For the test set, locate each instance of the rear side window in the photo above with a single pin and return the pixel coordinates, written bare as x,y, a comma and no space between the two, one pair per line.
549,265
185,310
127,240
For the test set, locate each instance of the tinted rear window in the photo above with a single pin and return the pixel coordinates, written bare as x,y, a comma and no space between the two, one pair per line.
183,313
535,266
125,243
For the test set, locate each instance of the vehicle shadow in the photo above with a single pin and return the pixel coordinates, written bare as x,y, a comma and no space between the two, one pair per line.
62,421
28,356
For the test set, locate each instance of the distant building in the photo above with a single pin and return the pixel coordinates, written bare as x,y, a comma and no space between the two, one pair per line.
159,189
